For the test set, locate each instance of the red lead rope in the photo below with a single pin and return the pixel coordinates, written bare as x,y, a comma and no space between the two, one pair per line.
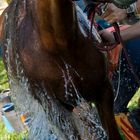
112,46
117,30
101,46
108,47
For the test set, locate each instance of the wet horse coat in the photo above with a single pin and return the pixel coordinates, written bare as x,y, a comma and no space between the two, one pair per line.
45,37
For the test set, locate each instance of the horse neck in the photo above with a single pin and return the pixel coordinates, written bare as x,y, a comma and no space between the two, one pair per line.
57,23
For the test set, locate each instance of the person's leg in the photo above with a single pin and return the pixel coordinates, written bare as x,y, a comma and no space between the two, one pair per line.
128,84
104,104
134,118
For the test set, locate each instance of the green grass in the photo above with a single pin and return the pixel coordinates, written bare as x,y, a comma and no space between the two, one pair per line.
3,77
134,101
4,135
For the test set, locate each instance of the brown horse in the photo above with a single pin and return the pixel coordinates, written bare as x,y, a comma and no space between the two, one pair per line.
46,37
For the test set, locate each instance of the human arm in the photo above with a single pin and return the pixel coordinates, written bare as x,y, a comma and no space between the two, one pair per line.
130,33
138,7
114,14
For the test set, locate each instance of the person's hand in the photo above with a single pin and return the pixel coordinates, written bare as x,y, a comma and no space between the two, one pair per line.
114,14
107,37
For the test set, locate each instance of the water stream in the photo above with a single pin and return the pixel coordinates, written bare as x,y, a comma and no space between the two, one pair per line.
49,119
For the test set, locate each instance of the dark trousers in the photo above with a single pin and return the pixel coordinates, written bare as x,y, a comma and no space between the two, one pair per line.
128,85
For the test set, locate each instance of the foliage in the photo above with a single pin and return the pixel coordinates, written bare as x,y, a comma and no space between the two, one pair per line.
4,135
134,101
3,77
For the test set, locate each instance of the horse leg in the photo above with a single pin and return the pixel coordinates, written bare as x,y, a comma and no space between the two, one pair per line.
105,109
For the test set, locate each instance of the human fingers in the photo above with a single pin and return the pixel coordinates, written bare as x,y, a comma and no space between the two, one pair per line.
106,14
108,11
112,21
110,18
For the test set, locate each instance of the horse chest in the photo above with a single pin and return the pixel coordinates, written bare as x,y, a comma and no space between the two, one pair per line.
75,82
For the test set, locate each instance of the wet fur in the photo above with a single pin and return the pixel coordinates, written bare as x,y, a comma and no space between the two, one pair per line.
50,45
